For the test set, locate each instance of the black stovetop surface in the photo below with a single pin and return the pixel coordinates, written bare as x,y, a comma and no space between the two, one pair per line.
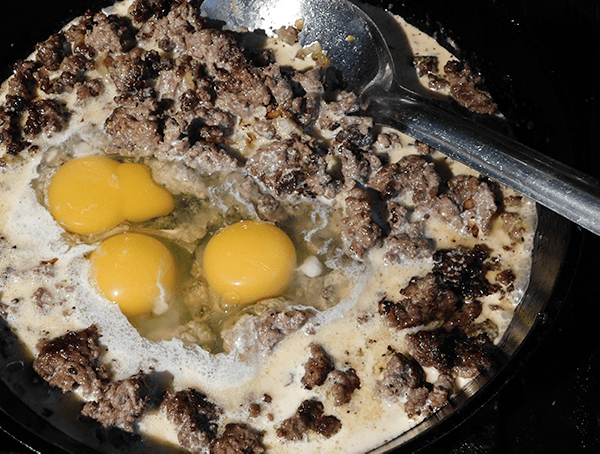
552,405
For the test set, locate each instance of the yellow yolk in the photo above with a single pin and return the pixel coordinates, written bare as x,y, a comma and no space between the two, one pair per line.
249,261
94,194
135,271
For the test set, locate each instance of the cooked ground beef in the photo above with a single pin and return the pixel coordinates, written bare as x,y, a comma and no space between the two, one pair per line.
45,116
51,52
425,301
309,417
345,383
194,416
317,367
72,360
465,88
238,439
401,375
120,404
359,232
274,326
451,351
425,400
463,270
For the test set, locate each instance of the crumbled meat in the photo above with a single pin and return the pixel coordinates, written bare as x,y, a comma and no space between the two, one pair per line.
89,89
194,416
46,116
513,225
274,326
464,88
359,232
507,278
134,127
175,22
425,301
465,355
345,384
10,133
111,33
475,199
401,375
127,71
238,439
120,404
292,166
317,367
463,270
72,360
51,52
428,348
42,299
308,417
412,173
21,86
402,246
423,401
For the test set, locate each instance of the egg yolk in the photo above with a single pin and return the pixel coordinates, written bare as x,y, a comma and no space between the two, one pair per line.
135,271
249,261
95,193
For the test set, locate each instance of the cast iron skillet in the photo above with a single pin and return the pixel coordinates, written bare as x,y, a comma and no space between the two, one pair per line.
522,83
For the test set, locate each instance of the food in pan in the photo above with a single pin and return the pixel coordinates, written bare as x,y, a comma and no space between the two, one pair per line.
205,241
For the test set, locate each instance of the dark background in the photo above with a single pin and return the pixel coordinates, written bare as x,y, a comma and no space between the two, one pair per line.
552,405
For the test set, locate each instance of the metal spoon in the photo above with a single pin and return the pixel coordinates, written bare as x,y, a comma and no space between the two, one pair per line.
357,48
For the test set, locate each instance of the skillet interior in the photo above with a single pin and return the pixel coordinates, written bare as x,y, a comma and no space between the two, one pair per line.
521,83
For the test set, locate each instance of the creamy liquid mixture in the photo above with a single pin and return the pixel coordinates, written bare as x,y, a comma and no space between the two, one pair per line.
239,374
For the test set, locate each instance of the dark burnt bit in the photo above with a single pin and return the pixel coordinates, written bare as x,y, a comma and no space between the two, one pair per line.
308,417
238,439
45,116
73,360
194,415
462,269
121,404
10,133
425,301
142,10
345,383
454,351
317,367
507,279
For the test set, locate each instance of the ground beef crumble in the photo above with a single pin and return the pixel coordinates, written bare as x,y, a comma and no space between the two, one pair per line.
73,360
309,417
317,367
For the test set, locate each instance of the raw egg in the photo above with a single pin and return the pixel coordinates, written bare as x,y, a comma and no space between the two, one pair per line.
96,193
249,261
135,271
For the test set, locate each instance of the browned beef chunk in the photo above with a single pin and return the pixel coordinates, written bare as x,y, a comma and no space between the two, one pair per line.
345,384
274,326
513,225
466,356
425,301
412,173
22,85
89,89
464,87
293,167
401,375
317,367
134,127
360,232
308,417
428,348
10,133
142,10
463,270
45,116
72,360
475,199
51,52
402,246
111,33
195,417
238,439
120,404
425,400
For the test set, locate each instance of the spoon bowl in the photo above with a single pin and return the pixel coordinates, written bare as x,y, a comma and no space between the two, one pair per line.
356,47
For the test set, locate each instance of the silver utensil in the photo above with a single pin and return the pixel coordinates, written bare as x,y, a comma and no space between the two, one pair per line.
357,48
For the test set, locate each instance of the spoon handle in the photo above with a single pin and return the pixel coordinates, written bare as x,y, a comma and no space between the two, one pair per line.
562,189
